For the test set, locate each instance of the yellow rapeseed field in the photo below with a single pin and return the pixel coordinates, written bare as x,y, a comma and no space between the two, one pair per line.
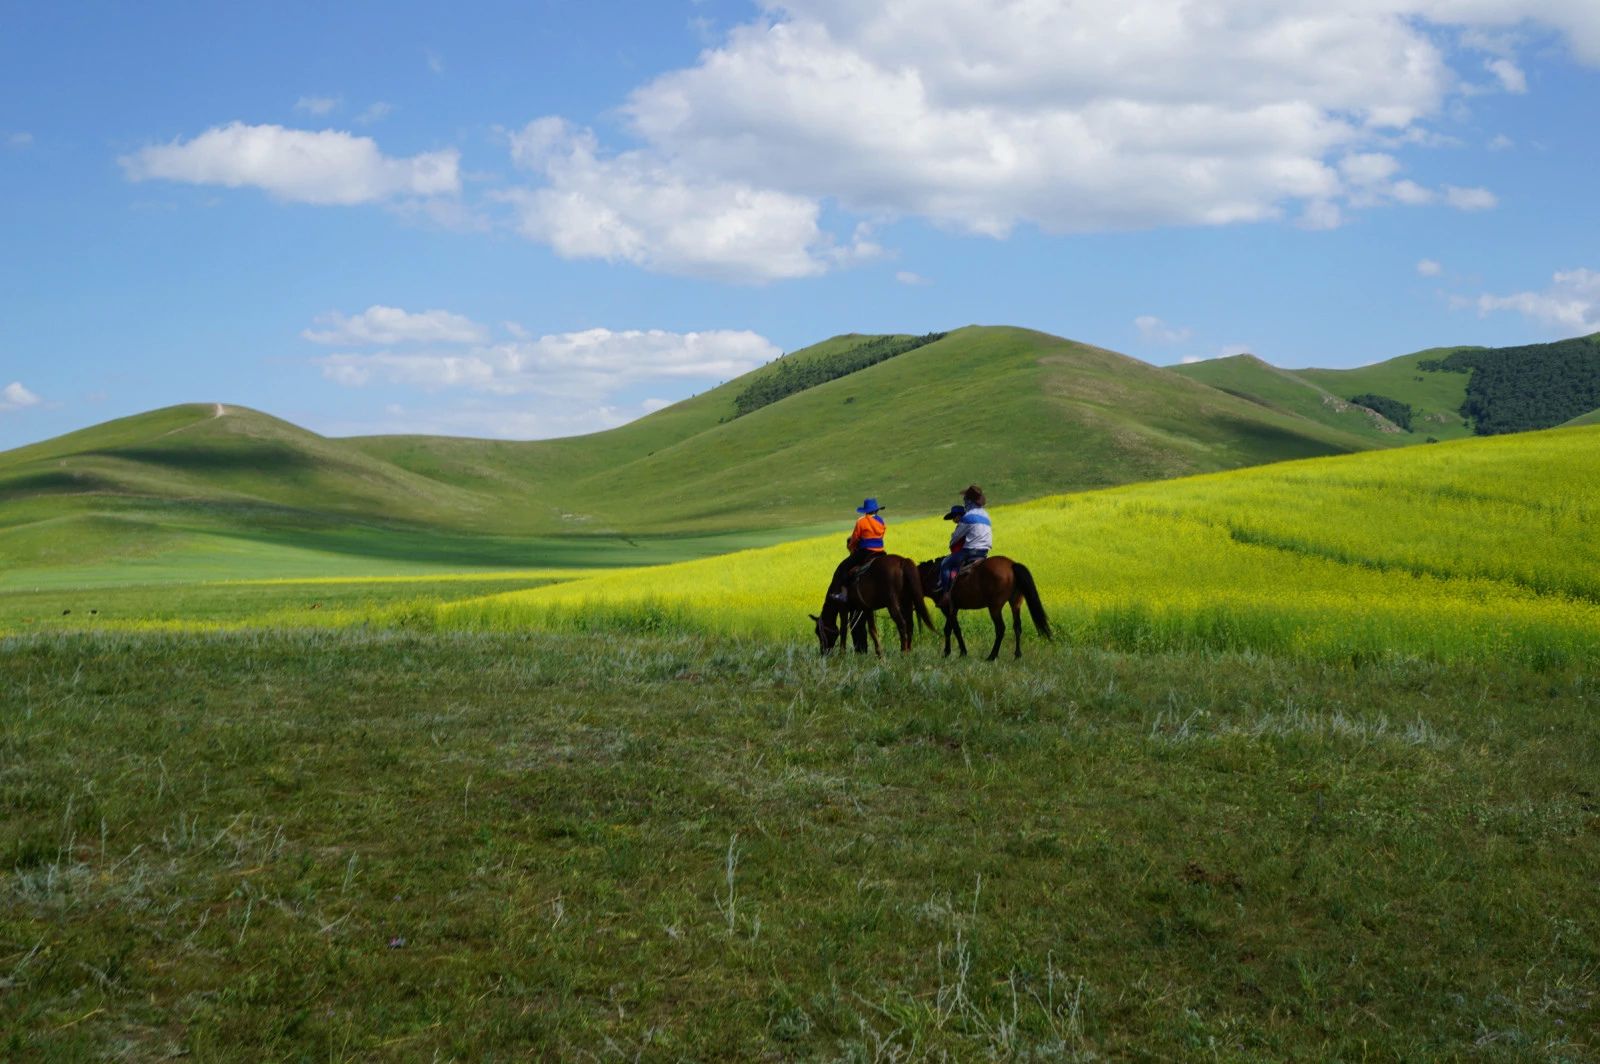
1482,549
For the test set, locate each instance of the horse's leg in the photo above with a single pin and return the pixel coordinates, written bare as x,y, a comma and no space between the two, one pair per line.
1016,621
898,615
872,630
998,613
955,626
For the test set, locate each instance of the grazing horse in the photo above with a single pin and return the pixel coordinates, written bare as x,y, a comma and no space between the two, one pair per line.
989,585
890,582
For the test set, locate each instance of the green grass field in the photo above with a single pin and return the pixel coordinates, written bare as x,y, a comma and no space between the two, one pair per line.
1307,774
378,846
1482,549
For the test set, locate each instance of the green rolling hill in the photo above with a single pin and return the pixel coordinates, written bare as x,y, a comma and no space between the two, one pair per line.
1435,397
1324,395
1591,418
1248,377
1451,391
1022,412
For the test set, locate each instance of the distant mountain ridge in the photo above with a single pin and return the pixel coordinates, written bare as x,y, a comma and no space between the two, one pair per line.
1023,413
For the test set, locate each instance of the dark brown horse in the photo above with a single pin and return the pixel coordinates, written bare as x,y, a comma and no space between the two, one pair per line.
990,585
890,582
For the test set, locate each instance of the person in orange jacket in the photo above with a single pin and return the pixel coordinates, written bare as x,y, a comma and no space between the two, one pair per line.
866,540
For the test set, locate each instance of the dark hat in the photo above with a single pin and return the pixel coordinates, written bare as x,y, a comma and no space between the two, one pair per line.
868,506
956,513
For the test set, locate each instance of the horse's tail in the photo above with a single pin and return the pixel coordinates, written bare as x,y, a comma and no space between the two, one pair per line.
1030,592
918,603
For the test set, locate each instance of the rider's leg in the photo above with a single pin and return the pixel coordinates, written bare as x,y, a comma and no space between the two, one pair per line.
836,587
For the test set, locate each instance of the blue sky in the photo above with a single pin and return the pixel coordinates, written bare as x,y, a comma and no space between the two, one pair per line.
536,219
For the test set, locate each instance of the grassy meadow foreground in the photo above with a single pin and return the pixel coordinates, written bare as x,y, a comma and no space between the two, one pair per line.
1307,774
348,845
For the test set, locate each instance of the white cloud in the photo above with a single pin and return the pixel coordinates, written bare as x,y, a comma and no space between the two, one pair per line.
1470,199
1429,268
1152,330
1067,115
329,167
1501,142
1571,303
637,208
1410,193
375,112
316,105
19,140
391,325
588,366
15,396
1099,114
1512,79
1321,214
910,278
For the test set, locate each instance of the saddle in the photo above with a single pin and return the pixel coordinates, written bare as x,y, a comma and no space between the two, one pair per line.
969,565
855,574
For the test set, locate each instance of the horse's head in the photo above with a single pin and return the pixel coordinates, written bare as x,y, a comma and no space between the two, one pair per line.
928,574
827,633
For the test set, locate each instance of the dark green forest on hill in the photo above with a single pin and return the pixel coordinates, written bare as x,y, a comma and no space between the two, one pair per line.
1393,409
796,376
1515,389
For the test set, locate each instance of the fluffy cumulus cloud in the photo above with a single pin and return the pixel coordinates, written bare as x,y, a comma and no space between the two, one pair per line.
1570,305
391,325
588,366
640,208
327,167
15,396
1068,115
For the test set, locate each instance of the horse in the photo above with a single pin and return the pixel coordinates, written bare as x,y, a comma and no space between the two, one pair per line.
890,582
990,584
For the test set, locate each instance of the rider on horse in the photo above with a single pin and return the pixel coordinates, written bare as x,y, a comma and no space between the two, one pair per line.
865,543
971,540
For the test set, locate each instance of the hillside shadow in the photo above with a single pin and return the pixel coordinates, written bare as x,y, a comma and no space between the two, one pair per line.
249,457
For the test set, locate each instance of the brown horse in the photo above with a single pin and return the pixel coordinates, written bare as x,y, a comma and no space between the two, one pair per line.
890,582
989,585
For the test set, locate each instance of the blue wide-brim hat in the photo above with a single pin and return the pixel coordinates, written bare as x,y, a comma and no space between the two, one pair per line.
868,506
956,513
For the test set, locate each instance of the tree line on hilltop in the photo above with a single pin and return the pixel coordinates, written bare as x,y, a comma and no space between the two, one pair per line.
792,376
